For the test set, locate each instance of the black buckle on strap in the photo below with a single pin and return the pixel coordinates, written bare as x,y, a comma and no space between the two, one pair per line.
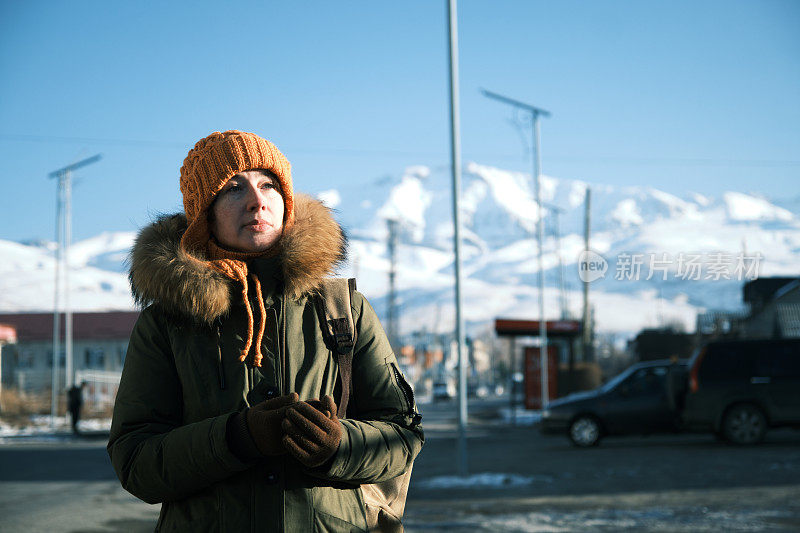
342,335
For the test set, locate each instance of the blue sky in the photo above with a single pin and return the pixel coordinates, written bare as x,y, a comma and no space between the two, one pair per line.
685,96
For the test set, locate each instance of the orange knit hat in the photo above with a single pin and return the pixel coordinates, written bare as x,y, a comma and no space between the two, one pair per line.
212,162
208,166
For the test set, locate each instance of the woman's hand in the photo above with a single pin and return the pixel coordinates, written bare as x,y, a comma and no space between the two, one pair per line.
264,423
313,431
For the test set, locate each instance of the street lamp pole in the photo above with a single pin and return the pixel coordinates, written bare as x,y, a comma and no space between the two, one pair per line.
57,305
64,238
455,159
535,113
544,367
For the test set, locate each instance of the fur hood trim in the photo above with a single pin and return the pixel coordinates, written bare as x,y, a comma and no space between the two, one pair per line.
162,272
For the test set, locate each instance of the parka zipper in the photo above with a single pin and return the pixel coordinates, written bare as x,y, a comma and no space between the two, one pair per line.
408,394
282,346
282,386
220,367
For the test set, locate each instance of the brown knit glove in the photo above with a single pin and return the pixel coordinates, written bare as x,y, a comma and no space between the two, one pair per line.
264,422
313,432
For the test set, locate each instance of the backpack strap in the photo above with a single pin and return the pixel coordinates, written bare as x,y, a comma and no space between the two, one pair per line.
384,502
338,329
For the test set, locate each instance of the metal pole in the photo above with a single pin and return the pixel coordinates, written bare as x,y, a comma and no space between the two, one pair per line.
68,370
455,153
64,236
556,233
586,318
540,232
561,286
535,114
512,396
392,226
56,304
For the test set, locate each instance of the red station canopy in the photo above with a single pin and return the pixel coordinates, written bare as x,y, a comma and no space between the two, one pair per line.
555,328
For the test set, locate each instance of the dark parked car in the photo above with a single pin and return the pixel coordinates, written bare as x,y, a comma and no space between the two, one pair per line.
646,398
443,389
739,389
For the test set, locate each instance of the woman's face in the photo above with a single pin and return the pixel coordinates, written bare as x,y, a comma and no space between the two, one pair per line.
247,214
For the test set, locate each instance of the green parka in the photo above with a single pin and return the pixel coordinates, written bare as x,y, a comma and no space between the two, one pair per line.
182,381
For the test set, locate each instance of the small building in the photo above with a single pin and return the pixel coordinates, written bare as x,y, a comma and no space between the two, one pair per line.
662,343
774,308
100,341
719,324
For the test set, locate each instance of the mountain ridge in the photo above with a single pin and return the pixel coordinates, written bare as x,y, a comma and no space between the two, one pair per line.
500,250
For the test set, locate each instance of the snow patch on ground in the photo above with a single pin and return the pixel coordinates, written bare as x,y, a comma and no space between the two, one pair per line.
485,480
611,520
40,426
520,416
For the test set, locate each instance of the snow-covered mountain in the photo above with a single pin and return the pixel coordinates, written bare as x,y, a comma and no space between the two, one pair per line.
499,214
27,277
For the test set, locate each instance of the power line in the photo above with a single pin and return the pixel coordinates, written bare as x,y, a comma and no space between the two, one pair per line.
602,159
92,140
173,144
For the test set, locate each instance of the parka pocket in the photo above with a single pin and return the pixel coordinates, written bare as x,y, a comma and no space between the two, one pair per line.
326,523
198,513
171,519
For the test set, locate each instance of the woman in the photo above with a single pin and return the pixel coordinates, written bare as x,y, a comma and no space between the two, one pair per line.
208,418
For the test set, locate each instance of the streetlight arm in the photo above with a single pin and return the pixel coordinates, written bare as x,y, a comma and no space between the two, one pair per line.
516,103
73,166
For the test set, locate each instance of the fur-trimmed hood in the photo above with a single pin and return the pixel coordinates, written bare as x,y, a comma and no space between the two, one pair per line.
161,272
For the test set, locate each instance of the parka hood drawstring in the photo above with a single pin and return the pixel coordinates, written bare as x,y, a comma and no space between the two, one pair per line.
238,271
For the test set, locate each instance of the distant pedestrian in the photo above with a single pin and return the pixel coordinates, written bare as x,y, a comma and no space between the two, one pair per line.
676,386
75,404
225,411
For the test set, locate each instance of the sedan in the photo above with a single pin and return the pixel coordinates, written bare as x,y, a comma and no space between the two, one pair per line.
646,398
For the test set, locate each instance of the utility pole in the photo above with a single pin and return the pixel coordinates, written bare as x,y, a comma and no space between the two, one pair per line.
455,165
535,113
63,238
587,341
562,290
57,305
392,244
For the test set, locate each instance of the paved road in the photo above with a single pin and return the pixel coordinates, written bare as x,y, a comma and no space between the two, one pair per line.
522,482
657,483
